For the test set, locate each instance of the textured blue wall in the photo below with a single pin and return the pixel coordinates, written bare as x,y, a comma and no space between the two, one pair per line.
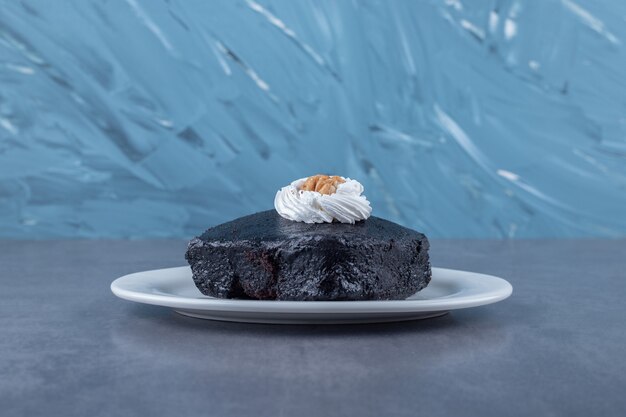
462,118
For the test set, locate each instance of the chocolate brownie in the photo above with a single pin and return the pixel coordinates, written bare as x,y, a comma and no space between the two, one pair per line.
267,257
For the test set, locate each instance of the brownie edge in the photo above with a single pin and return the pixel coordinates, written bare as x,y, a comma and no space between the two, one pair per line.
266,257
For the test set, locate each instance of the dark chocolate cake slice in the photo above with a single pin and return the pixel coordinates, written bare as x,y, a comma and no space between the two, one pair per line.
267,257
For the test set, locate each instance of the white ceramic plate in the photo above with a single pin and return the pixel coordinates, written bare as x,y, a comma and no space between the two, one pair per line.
448,290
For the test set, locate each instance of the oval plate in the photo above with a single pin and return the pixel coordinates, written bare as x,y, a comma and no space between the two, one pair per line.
448,290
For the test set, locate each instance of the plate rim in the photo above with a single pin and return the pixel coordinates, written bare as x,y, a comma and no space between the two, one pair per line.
495,289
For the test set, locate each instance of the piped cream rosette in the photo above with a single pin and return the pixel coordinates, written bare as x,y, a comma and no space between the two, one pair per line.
323,199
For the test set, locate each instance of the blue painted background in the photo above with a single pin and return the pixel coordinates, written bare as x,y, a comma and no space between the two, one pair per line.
462,118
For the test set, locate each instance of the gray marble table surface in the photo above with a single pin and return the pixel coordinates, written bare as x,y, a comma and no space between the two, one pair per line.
557,347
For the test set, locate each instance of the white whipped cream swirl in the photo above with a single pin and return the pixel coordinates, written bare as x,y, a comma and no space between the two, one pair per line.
346,205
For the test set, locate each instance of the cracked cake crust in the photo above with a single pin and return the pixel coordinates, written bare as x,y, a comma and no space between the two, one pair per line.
264,256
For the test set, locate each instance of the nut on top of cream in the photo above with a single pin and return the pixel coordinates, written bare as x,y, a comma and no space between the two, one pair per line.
323,199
